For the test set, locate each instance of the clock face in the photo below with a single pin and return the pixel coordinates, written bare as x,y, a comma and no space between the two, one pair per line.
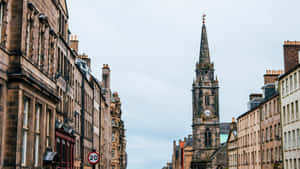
207,113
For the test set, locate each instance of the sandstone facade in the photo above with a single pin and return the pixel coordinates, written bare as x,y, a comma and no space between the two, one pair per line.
118,134
53,111
289,97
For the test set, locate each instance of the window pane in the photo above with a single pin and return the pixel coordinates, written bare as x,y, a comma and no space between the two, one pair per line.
25,112
24,147
36,148
297,110
298,138
37,118
294,138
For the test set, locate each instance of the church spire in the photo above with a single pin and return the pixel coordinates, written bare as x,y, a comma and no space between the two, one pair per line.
204,50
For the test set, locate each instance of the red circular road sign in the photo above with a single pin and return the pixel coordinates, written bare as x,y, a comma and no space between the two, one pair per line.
93,158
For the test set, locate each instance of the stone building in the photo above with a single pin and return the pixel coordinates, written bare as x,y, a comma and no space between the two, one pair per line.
29,33
270,125
96,116
118,134
258,130
289,84
248,136
4,58
232,146
53,111
106,120
65,141
206,119
78,78
123,145
86,138
182,153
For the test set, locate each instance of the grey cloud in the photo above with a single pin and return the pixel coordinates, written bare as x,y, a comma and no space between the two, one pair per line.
153,45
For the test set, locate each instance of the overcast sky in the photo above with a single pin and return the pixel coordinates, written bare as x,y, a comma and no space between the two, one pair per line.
152,47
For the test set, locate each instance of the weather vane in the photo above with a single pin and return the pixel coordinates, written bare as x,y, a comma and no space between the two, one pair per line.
204,18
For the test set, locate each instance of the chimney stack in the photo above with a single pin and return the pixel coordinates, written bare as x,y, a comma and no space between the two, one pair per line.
85,58
291,54
271,76
269,88
233,124
74,43
106,76
254,100
254,96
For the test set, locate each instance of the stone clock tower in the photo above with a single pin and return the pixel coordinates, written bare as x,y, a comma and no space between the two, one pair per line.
206,130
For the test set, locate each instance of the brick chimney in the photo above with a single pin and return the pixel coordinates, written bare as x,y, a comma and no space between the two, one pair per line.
74,43
233,124
291,54
271,76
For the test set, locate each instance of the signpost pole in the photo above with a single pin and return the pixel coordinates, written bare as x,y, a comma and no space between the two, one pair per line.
94,164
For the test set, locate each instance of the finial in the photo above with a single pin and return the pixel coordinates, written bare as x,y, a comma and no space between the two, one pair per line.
203,18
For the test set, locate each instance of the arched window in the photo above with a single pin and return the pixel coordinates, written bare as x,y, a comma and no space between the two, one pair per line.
207,137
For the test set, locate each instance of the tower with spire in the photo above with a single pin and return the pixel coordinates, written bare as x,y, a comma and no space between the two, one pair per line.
206,129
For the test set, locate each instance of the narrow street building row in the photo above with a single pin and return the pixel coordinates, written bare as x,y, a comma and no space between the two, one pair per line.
257,139
268,135
119,155
53,110
290,98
